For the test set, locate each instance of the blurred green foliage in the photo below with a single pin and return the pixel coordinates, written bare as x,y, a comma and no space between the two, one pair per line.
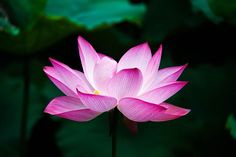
5,25
231,125
34,30
43,22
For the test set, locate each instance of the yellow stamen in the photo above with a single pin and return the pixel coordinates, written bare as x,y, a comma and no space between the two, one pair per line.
96,92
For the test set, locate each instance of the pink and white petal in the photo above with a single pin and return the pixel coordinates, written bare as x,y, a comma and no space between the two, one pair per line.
172,112
52,72
162,93
59,83
154,63
70,108
136,57
152,69
89,58
97,103
103,72
80,115
138,110
125,83
166,75
72,78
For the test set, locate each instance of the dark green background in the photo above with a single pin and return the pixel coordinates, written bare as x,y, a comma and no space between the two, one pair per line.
199,32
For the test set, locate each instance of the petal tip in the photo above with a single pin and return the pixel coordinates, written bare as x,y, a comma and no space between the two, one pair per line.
158,54
182,83
144,45
48,110
160,48
82,41
183,112
53,61
185,82
186,112
185,65
80,38
45,68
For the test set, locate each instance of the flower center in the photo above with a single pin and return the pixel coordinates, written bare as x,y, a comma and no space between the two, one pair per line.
96,92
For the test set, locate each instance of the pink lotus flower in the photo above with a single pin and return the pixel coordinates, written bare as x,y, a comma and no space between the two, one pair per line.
134,85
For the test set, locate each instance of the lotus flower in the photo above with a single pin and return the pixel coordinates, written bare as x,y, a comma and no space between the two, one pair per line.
134,85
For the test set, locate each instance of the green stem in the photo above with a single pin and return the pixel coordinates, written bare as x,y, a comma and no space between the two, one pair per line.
25,106
113,129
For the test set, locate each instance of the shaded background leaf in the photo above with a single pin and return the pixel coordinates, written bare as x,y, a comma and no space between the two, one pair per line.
44,22
231,125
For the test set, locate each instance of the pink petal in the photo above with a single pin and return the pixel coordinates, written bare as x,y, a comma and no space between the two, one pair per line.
89,58
138,110
57,80
72,78
97,103
103,72
70,108
136,57
125,83
166,75
172,112
154,63
152,69
162,93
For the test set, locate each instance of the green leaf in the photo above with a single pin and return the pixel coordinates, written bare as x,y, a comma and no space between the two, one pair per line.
24,12
164,17
93,13
5,25
203,6
40,36
231,125
225,9
44,22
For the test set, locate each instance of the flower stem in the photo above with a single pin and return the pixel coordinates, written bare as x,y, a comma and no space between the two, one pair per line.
25,106
113,129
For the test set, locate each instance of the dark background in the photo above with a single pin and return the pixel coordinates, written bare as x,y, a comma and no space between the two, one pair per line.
199,32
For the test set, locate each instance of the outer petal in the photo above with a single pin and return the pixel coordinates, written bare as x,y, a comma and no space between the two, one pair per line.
73,79
166,75
152,69
172,112
162,93
70,108
89,58
97,103
136,57
125,83
154,63
57,80
103,72
138,110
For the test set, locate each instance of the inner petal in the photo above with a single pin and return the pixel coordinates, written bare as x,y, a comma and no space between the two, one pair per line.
103,72
125,83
